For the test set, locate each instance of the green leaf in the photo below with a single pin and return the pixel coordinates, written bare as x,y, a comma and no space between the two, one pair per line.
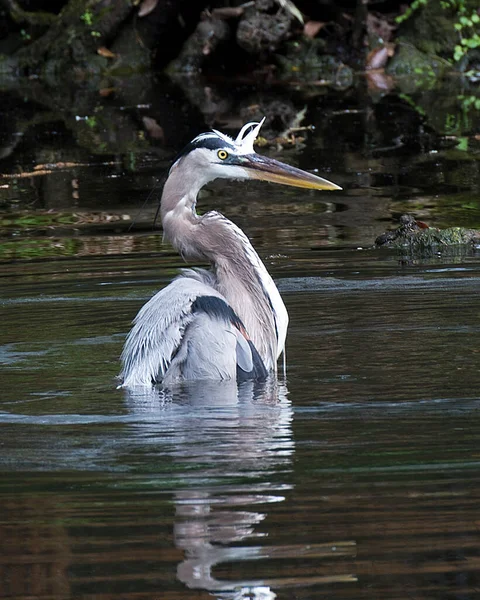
459,52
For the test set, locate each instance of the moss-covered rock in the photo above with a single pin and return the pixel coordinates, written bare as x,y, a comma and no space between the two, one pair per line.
437,30
263,28
431,29
424,68
305,61
418,238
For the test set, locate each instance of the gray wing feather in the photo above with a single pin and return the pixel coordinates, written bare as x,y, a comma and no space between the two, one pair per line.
207,351
170,342
159,327
244,353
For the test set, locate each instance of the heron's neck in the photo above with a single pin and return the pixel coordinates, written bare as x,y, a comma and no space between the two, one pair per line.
241,276
245,282
177,209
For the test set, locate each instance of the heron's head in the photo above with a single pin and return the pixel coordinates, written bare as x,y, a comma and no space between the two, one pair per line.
215,155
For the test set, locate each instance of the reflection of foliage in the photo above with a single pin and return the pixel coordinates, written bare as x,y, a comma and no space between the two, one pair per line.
35,248
24,248
409,100
25,222
455,116
35,220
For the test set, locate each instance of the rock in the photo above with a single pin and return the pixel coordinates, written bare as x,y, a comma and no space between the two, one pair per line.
418,237
263,27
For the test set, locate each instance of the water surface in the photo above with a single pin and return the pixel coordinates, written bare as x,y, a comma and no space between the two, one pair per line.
355,475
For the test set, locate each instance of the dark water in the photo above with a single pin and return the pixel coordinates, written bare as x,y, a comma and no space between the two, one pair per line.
356,475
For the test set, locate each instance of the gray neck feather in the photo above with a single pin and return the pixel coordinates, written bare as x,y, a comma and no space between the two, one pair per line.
215,239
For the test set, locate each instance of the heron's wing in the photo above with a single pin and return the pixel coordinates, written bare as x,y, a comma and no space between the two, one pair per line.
210,349
186,331
158,330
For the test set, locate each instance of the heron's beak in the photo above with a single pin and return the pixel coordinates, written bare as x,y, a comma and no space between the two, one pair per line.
269,169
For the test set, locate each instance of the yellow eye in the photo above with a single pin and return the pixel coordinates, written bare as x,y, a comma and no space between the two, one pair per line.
222,154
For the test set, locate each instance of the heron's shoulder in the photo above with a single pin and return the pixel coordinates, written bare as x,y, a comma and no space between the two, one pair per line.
187,286
214,215
200,275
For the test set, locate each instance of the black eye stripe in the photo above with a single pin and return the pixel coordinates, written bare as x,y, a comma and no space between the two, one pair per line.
209,141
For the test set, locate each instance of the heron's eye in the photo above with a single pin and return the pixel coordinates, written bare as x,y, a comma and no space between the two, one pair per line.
222,154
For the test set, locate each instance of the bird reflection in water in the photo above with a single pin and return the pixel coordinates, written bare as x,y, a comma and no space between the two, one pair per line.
228,440
232,450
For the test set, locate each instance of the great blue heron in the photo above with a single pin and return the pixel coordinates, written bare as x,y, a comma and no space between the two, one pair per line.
227,323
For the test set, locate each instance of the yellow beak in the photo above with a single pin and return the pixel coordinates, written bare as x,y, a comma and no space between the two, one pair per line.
269,169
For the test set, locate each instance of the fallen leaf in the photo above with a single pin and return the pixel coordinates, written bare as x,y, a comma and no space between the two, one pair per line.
377,58
153,128
104,92
146,7
378,81
312,28
422,225
105,52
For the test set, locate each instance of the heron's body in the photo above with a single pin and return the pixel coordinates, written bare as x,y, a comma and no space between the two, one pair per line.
226,323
